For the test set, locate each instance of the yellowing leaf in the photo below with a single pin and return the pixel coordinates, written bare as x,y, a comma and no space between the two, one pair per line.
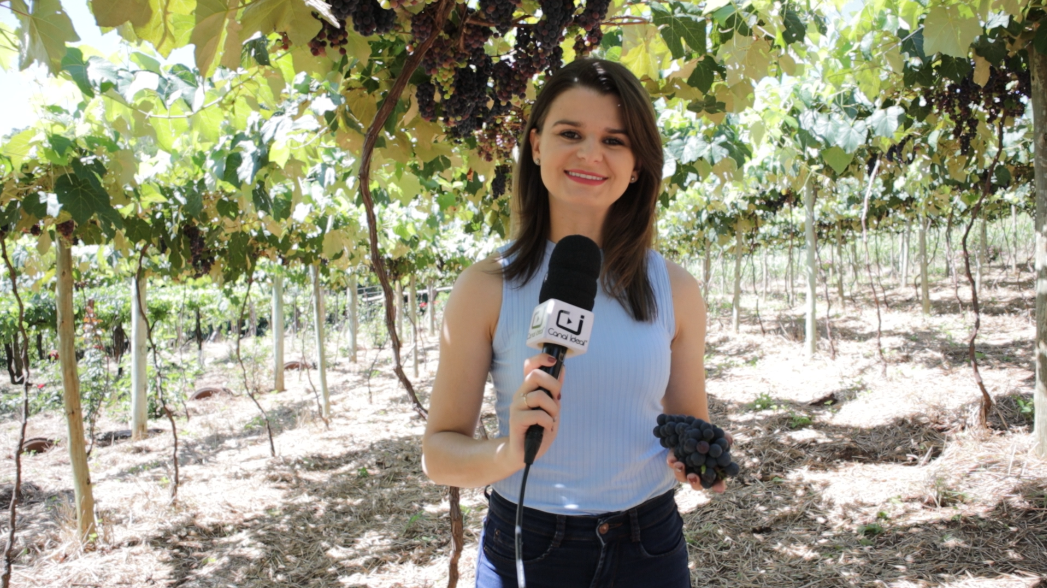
291,16
170,25
208,34
950,30
44,32
981,70
787,64
363,106
636,55
17,147
113,13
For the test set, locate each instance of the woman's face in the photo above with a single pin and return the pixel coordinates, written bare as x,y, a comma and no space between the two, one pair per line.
586,157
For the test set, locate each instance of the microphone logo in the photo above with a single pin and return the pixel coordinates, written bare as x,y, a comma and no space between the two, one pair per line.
563,320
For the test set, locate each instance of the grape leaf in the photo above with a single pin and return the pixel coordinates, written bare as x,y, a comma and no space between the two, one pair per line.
170,25
81,194
17,147
884,122
795,29
113,13
949,30
210,17
35,204
837,158
680,27
703,75
73,64
45,30
291,16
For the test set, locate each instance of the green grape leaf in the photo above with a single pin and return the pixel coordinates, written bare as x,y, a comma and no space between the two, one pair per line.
1040,40
81,194
950,30
44,33
262,200
73,64
676,27
194,200
703,75
17,148
228,208
837,158
795,29
955,68
35,205
885,121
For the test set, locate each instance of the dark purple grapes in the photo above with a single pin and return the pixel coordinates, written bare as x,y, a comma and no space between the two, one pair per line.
703,448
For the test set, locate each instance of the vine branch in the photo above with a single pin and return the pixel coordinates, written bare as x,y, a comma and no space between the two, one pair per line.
5,578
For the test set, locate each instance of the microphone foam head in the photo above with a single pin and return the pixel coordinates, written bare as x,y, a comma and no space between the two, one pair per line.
574,268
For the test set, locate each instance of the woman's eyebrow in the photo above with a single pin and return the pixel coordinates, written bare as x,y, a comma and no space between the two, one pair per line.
578,124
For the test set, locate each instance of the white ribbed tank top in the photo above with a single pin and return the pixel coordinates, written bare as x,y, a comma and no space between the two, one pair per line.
604,458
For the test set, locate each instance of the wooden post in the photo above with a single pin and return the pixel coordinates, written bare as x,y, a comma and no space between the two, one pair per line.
412,305
139,359
736,299
843,267
1014,231
1038,66
354,321
399,303
905,253
278,333
811,338
925,293
431,307
321,356
707,268
74,417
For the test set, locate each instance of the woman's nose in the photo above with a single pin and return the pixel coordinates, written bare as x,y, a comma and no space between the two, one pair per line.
589,149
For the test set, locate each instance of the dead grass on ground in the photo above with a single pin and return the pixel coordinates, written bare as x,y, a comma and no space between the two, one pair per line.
850,477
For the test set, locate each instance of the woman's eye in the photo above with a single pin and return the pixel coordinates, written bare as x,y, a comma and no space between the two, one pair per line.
569,135
613,141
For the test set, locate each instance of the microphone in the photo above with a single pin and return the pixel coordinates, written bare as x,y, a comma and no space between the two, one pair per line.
562,322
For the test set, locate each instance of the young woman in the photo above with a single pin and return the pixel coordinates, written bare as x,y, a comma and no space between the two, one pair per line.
599,507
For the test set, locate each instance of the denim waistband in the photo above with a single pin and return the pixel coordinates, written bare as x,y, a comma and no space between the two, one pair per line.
625,524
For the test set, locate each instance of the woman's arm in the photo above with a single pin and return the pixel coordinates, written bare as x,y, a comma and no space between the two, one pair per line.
685,393
450,454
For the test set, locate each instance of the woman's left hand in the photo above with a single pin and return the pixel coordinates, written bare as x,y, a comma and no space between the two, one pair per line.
679,470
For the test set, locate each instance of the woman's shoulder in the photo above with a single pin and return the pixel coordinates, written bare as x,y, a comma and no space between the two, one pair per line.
477,294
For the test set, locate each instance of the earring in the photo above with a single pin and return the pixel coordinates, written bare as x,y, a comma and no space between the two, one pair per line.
536,162
632,180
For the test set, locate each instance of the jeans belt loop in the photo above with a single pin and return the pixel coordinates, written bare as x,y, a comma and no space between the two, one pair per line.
634,522
561,530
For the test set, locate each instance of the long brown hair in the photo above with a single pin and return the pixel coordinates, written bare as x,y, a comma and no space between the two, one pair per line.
629,226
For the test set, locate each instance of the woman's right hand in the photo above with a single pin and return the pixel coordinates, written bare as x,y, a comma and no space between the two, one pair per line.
531,406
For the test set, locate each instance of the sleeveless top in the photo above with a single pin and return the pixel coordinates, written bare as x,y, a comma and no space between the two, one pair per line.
605,457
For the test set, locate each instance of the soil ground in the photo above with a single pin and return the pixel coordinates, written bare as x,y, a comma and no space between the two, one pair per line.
851,476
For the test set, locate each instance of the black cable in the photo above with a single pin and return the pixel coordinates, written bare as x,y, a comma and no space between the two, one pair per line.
520,581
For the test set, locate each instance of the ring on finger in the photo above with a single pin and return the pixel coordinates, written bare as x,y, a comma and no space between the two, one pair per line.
527,402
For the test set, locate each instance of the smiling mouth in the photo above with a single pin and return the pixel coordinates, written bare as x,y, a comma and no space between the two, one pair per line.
582,176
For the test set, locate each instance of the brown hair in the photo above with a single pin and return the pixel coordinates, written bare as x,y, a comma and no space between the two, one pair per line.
629,226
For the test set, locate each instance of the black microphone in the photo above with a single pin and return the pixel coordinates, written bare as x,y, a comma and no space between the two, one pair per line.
563,320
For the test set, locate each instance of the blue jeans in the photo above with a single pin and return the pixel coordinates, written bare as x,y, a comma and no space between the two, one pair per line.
641,547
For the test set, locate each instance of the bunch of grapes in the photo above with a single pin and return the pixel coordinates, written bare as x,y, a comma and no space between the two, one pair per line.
701,446
593,14
422,25
1001,95
368,16
329,36
66,229
584,44
426,96
498,184
499,13
285,42
202,257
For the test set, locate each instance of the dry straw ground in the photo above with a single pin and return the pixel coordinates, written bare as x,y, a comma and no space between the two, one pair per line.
850,478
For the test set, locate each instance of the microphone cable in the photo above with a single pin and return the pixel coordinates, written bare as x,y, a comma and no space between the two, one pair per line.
532,442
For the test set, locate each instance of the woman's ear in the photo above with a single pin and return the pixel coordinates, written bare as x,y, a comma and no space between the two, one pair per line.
535,138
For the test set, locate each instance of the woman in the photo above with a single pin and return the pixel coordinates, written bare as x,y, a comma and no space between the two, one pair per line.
599,506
